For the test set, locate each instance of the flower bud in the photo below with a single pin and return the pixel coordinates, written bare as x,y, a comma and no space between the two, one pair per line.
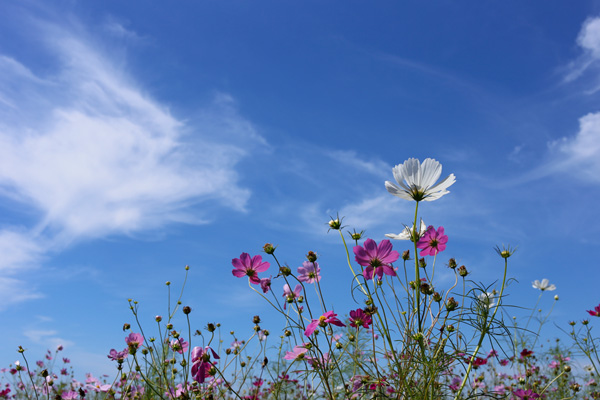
452,263
567,368
556,297
406,255
210,327
168,283
338,345
450,328
187,310
256,319
451,304
126,326
158,318
269,248
437,297
311,256
187,267
285,270
287,333
169,326
422,262
335,224
462,271
356,235
585,322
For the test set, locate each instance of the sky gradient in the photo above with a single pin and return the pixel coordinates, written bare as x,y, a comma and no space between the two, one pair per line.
137,138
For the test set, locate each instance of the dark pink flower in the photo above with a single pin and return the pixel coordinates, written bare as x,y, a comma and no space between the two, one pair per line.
377,259
201,363
358,318
246,266
526,353
432,241
525,394
328,318
596,312
309,272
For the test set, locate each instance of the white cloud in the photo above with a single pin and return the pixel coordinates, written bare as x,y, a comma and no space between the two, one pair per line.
589,40
90,154
580,155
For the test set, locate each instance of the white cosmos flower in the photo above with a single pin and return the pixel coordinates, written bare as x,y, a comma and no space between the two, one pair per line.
407,233
487,299
543,285
418,181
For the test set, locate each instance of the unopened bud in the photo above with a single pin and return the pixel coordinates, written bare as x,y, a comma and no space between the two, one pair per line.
462,271
311,256
269,248
406,255
187,310
452,263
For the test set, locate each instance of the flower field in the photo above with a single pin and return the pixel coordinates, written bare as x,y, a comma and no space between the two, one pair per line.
409,336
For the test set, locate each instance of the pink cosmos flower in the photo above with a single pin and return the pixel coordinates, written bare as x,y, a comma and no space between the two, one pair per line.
201,363
328,318
309,272
179,345
134,341
296,354
246,266
376,258
358,318
596,312
118,355
289,295
318,362
265,284
432,241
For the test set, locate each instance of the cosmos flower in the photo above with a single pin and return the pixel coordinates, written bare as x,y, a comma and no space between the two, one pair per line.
418,181
358,318
432,242
595,312
289,295
377,259
408,232
309,272
118,355
328,318
246,266
487,299
134,341
201,363
296,354
543,285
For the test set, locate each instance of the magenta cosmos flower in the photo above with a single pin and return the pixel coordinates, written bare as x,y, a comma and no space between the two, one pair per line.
328,318
246,266
309,272
595,312
432,241
358,318
201,363
377,259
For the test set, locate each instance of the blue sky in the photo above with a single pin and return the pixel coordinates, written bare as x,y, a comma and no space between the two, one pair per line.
137,138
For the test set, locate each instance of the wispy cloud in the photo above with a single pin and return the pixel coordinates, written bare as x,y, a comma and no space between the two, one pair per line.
589,41
88,152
